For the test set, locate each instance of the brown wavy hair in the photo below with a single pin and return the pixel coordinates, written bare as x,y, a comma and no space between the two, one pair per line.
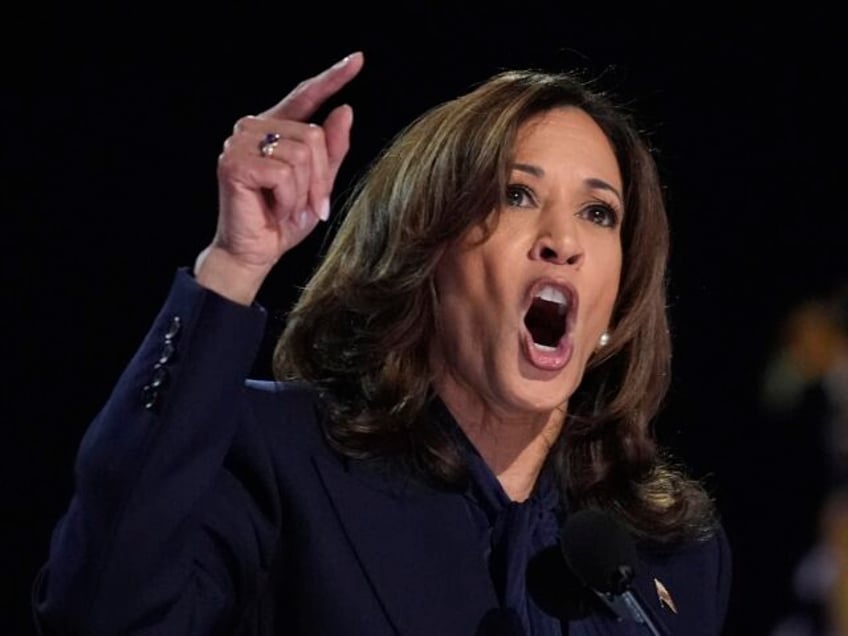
361,330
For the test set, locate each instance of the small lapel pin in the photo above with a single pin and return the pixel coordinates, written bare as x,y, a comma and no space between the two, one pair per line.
665,597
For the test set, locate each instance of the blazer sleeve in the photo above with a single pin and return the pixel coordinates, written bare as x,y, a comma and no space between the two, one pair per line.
166,529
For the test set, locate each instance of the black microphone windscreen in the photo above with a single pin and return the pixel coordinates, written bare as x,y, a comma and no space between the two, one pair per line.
599,549
557,590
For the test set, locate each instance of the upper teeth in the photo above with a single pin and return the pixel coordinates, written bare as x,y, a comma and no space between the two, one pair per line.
552,295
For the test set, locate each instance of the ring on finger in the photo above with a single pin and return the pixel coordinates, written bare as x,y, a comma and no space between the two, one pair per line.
268,144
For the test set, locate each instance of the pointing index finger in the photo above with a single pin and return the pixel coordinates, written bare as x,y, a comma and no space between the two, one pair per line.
307,97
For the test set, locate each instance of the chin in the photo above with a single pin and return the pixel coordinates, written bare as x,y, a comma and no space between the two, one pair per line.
536,396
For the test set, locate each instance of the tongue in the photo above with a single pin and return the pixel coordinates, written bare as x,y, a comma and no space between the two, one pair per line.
545,322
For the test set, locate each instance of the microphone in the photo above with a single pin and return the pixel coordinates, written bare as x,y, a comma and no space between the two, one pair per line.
602,554
556,589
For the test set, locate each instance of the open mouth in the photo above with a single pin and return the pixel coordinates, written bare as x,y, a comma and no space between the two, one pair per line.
547,317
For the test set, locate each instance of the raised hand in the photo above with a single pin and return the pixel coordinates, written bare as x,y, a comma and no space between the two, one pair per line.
275,177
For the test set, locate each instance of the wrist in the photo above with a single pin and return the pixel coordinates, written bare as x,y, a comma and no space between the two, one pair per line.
217,270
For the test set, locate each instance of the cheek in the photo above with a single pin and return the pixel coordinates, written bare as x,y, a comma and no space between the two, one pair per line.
455,310
608,287
613,282
607,305
467,284
473,306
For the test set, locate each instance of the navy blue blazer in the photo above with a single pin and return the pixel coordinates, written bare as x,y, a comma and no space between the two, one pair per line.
205,504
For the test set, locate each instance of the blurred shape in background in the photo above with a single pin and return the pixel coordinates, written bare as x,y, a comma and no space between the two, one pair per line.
805,395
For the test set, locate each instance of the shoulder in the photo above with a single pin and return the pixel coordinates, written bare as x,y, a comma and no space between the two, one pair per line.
288,415
689,584
278,392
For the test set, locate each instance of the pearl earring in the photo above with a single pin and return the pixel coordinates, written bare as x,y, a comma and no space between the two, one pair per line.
603,341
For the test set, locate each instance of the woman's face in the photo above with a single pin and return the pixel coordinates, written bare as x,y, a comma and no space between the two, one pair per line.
520,314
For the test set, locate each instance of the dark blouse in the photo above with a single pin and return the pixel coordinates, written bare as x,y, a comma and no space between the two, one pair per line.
510,534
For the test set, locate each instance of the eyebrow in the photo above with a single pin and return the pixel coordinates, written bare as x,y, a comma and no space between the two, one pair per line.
536,171
592,182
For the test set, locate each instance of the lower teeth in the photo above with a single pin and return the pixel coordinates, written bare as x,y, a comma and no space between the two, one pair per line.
544,347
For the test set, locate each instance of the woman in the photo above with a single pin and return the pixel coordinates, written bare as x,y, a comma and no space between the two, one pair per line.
478,357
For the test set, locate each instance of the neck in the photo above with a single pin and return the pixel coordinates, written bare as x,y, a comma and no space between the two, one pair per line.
513,445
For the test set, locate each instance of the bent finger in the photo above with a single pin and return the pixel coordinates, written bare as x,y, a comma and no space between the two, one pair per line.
337,128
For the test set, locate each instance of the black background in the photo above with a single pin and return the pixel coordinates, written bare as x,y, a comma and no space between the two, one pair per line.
112,125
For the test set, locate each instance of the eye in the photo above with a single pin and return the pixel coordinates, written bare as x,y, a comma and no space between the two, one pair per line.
601,214
519,196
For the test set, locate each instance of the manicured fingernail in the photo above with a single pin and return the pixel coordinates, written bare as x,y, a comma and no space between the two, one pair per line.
342,62
324,212
303,219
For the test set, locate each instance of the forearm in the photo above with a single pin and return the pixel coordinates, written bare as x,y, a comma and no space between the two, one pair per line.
135,542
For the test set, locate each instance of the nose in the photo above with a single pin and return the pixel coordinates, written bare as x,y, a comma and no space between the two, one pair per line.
559,242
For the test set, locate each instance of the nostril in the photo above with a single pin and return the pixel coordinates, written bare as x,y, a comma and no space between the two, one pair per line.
548,254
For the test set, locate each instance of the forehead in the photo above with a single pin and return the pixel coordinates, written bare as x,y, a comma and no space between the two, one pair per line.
568,138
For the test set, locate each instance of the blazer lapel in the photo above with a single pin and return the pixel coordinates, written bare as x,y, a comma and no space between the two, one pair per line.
417,547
